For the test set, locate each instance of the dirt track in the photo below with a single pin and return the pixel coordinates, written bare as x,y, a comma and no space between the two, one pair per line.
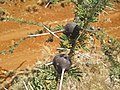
28,52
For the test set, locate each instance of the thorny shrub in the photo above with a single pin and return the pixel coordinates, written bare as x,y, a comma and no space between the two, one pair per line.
86,11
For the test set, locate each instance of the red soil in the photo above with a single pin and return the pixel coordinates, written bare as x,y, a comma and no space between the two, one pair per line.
31,50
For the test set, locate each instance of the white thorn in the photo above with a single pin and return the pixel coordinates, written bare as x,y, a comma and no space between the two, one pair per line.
50,63
47,4
25,85
60,87
5,88
51,32
36,35
30,85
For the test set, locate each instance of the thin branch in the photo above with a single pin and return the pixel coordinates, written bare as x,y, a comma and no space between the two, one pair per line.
10,18
111,8
90,30
105,12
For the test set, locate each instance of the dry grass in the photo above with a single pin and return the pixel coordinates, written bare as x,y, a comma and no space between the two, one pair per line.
95,74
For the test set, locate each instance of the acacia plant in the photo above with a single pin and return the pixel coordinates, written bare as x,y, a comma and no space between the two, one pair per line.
86,11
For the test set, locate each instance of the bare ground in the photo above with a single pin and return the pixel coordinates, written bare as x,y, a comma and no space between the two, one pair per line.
36,49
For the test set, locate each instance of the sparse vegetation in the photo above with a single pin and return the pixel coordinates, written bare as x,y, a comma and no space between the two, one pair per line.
12,48
3,12
2,1
43,77
117,1
32,9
